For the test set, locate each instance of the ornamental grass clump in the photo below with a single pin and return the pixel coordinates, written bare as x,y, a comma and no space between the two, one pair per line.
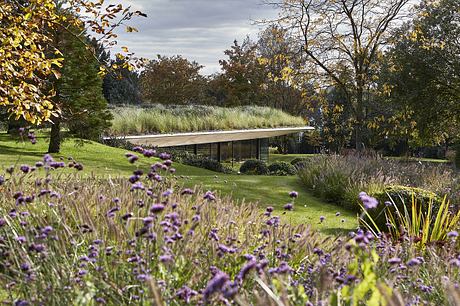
339,179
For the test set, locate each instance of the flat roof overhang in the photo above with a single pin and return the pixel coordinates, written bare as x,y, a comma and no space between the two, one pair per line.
182,139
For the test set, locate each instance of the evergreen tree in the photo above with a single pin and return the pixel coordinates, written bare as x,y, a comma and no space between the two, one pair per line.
78,93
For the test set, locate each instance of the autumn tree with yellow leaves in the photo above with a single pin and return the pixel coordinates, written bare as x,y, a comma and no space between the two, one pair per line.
26,59
32,58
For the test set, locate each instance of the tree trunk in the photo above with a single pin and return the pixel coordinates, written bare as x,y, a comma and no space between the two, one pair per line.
55,137
359,128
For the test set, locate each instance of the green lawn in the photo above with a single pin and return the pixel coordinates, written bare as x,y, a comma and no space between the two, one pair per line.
417,159
104,161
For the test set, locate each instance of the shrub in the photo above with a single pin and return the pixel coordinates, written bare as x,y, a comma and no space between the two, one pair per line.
399,198
339,179
202,162
281,168
254,166
457,157
298,160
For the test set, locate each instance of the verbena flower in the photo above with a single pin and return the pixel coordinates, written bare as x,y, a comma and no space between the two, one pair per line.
157,208
209,196
215,284
368,201
293,194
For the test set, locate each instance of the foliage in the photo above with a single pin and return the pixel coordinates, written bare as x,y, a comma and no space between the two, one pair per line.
298,161
240,82
104,162
149,235
369,290
400,197
161,119
336,52
23,61
122,88
202,162
281,168
254,166
457,157
426,223
83,107
422,76
30,55
339,179
172,80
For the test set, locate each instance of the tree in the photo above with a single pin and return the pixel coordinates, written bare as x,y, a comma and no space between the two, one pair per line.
422,71
172,80
338,35
283,87
243,75
122,87
78,93
26,31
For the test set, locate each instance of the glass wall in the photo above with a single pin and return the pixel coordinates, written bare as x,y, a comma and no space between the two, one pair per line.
226,151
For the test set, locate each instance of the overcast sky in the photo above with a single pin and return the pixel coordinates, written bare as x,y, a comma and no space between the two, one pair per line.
199,30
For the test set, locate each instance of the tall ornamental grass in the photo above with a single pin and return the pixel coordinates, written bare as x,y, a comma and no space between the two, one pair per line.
339,179
144,240
160,119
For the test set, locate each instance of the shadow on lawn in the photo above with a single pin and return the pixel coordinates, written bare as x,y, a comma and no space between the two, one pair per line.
18,152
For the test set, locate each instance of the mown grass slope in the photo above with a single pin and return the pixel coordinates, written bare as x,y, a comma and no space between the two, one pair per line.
107,162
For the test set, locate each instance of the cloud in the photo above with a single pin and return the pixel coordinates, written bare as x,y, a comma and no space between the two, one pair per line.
199,30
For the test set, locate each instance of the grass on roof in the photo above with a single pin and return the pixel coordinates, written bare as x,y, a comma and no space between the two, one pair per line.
159,119
104,162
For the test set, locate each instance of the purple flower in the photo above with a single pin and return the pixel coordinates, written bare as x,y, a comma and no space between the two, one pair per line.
138,149
149,153
368,201
131,157
246,269
134,178
21,239
37,247
25,168
322,218
288,206
414,262
282,269
137,186
2,180
209,196
25,267
167,193
337,214
185,293
156,208
164,156
293,194
394,261
166,259
215,284
452,234
187,191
